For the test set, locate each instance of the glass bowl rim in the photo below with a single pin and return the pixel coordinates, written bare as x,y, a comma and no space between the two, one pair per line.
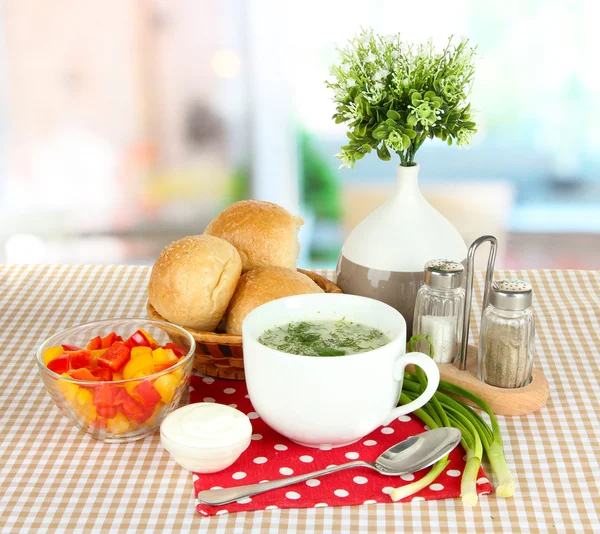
48,343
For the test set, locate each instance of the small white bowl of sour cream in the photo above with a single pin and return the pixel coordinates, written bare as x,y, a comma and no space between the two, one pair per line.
206,437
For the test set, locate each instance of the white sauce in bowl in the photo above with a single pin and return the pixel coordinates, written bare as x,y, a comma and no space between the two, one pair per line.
206,437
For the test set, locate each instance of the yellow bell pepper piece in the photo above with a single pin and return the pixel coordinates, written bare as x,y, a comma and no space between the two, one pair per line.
143,373
130,386
180,373
118,424
166,386
94,355
138,367
52,353
68,389
139,351
149,338
84,396
87,413
83,403
162,356
157,411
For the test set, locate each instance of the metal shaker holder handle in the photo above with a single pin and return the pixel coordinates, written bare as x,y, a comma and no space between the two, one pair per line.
469,290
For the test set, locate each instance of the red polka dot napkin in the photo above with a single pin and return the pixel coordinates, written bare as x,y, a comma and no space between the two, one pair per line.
271,456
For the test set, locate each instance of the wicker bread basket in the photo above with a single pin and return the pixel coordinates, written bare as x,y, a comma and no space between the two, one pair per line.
220,355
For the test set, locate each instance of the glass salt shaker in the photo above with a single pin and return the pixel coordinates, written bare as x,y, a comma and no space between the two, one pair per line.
439,309
507,338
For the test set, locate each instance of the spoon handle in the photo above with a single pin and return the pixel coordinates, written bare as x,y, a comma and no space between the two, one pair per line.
217,497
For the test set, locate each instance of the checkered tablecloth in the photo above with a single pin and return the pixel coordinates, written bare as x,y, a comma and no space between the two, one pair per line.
55,478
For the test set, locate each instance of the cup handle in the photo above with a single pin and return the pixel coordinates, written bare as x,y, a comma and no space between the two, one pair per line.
429,367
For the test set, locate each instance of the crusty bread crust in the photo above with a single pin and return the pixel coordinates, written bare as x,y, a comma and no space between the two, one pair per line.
265,234
262,285
193,280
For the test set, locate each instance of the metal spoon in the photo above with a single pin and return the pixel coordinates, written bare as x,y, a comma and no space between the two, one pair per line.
408,456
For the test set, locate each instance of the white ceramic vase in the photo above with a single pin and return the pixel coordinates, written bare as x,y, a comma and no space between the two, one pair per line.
384,256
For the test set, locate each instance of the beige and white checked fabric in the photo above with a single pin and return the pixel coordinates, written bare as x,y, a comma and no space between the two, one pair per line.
54,478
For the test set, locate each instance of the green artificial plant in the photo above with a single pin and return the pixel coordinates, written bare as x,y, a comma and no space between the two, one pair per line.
394,96
320,186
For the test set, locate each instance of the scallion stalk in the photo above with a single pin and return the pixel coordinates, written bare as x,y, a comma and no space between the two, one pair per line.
470,442
493,448
468,485
429,417
405,491
477,437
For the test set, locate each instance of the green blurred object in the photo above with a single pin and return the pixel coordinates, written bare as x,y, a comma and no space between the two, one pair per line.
239,185
321,191
325,258
320,188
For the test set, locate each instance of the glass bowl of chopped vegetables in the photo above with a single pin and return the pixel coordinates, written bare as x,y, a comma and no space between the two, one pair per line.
118,379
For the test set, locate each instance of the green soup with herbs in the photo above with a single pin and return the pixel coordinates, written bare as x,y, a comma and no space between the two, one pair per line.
324,338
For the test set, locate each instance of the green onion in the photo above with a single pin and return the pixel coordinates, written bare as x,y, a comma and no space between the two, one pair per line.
468,485
470,441
413,487
493,447
477,437
436,470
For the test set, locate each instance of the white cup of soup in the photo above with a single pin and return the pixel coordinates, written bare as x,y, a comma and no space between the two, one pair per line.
346,391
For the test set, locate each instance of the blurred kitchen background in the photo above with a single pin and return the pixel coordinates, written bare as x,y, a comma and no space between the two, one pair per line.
126,124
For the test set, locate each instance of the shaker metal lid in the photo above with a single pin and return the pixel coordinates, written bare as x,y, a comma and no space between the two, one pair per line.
443,274
511,294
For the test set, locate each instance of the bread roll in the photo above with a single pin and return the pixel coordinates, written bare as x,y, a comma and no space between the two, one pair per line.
193,280
265,234
262,285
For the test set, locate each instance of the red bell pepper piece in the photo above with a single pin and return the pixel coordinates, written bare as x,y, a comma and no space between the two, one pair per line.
147,414
147,394
70,348
137,339
105,396
115,357
102,374
95,343
108,340
132,409
104,410
81,374
121,395
59,365
179,352
79,359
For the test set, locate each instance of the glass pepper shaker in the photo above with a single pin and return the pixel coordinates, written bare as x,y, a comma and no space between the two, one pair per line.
439,309
507,338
